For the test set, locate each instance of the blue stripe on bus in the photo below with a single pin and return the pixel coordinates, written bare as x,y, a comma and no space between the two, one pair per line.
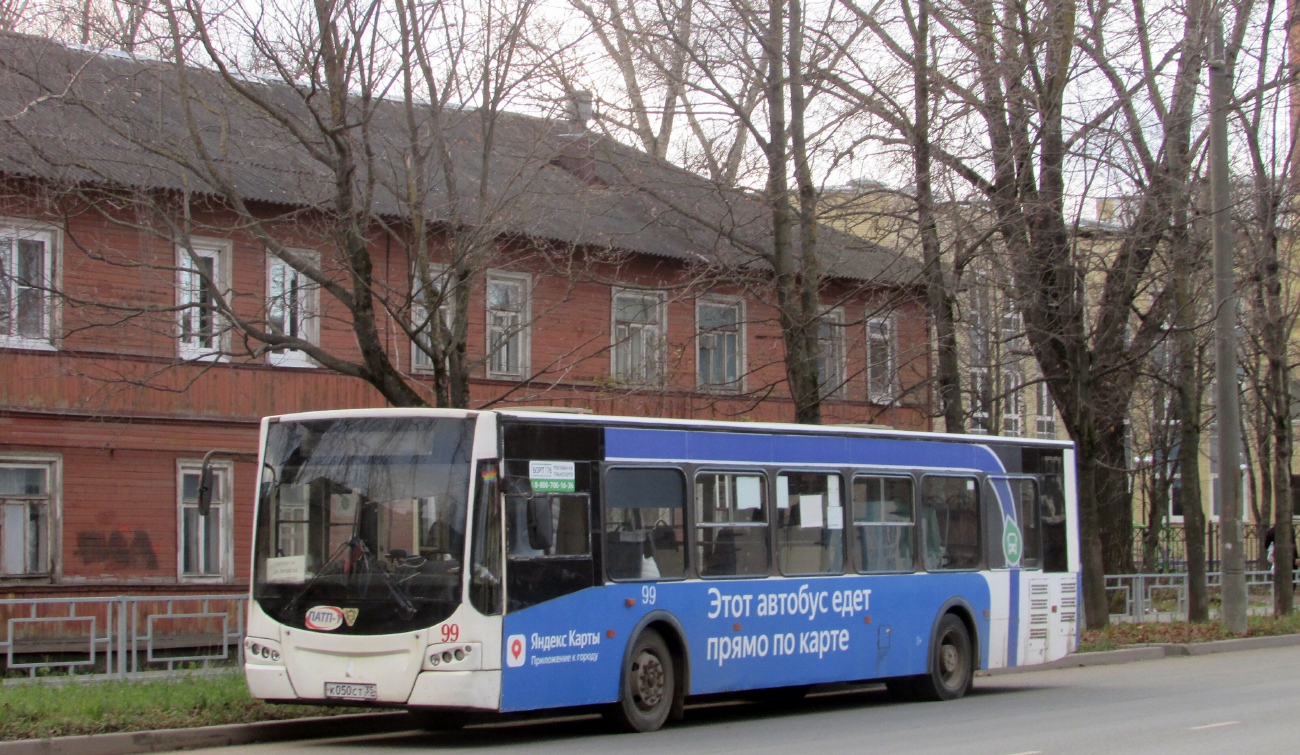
760,448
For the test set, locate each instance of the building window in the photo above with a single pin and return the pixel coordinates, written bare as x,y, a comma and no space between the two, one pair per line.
422,301
202,274
881,360
507,325
26,498
1012,332
721,339
981,399
830,353
638,336
1045,419
26,278
1013,404
292,307
205,542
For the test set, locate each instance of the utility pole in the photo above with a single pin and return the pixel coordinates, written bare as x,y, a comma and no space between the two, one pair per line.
1233,579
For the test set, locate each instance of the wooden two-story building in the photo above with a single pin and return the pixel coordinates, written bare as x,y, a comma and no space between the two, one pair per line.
119,370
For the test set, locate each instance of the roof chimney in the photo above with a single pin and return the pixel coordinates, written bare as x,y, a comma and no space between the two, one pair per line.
578,108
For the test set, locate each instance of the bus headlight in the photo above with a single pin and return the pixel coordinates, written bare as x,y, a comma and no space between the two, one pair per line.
454,656
260,651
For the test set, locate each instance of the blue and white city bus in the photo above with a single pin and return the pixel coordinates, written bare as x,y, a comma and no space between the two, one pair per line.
457,561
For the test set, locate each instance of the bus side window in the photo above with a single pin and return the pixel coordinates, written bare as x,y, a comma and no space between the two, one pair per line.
883,528
1002,548
1053,520
810,523
1028,512
731,524
645,523
951,523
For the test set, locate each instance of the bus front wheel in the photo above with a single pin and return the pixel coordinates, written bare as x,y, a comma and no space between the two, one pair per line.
951,663
649,685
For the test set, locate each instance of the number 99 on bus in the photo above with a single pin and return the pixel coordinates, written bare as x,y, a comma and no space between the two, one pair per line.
450,632
648,595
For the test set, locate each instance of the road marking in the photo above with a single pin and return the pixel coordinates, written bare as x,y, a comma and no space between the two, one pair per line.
1029,752
1219,725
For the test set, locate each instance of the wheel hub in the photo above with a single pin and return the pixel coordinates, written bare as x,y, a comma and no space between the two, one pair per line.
648,680
949,659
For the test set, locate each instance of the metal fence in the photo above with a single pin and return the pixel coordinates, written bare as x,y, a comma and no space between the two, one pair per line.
1167,550
119,637
1163,597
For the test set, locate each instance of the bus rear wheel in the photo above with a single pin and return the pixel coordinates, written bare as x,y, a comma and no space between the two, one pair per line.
951,663
649,685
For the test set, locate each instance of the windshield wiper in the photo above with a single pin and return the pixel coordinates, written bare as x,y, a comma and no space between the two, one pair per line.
368,561
368,558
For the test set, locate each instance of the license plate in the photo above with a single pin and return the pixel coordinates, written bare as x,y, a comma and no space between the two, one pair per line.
350,691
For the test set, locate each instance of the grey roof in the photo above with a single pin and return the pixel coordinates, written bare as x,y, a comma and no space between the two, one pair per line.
77,116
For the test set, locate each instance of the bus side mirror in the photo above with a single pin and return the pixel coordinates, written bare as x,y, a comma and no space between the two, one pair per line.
205,489
541,533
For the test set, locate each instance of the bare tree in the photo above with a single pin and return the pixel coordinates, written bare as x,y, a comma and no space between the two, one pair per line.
1271,305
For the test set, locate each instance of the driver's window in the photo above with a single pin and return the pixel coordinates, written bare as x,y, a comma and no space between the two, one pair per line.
547,509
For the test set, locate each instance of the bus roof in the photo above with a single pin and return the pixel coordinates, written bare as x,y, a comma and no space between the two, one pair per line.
703,424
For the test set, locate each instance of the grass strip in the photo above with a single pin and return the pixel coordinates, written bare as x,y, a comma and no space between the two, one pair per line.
36,711
1118,636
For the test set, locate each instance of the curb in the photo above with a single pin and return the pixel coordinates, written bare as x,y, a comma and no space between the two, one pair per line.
1154,652
170,740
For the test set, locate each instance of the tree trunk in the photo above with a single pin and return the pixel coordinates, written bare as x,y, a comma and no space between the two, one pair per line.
939,300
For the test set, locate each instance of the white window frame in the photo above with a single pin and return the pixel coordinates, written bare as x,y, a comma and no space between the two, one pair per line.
652,373
420,361
53,464
522,330
736,303
889,394
15,230
224,572
308,306
834,318
219,251
1044,421
1013,405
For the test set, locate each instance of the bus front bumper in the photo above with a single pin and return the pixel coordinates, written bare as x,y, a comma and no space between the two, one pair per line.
479,690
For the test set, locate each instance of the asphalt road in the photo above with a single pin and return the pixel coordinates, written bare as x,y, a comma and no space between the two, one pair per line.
1245,702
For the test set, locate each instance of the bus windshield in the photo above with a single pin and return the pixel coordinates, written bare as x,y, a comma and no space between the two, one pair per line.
361,522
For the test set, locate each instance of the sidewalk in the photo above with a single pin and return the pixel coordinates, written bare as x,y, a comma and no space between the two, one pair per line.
170,740
1153,652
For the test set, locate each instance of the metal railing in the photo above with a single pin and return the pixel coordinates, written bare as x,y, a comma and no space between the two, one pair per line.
1167,550
1163,597
119,637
